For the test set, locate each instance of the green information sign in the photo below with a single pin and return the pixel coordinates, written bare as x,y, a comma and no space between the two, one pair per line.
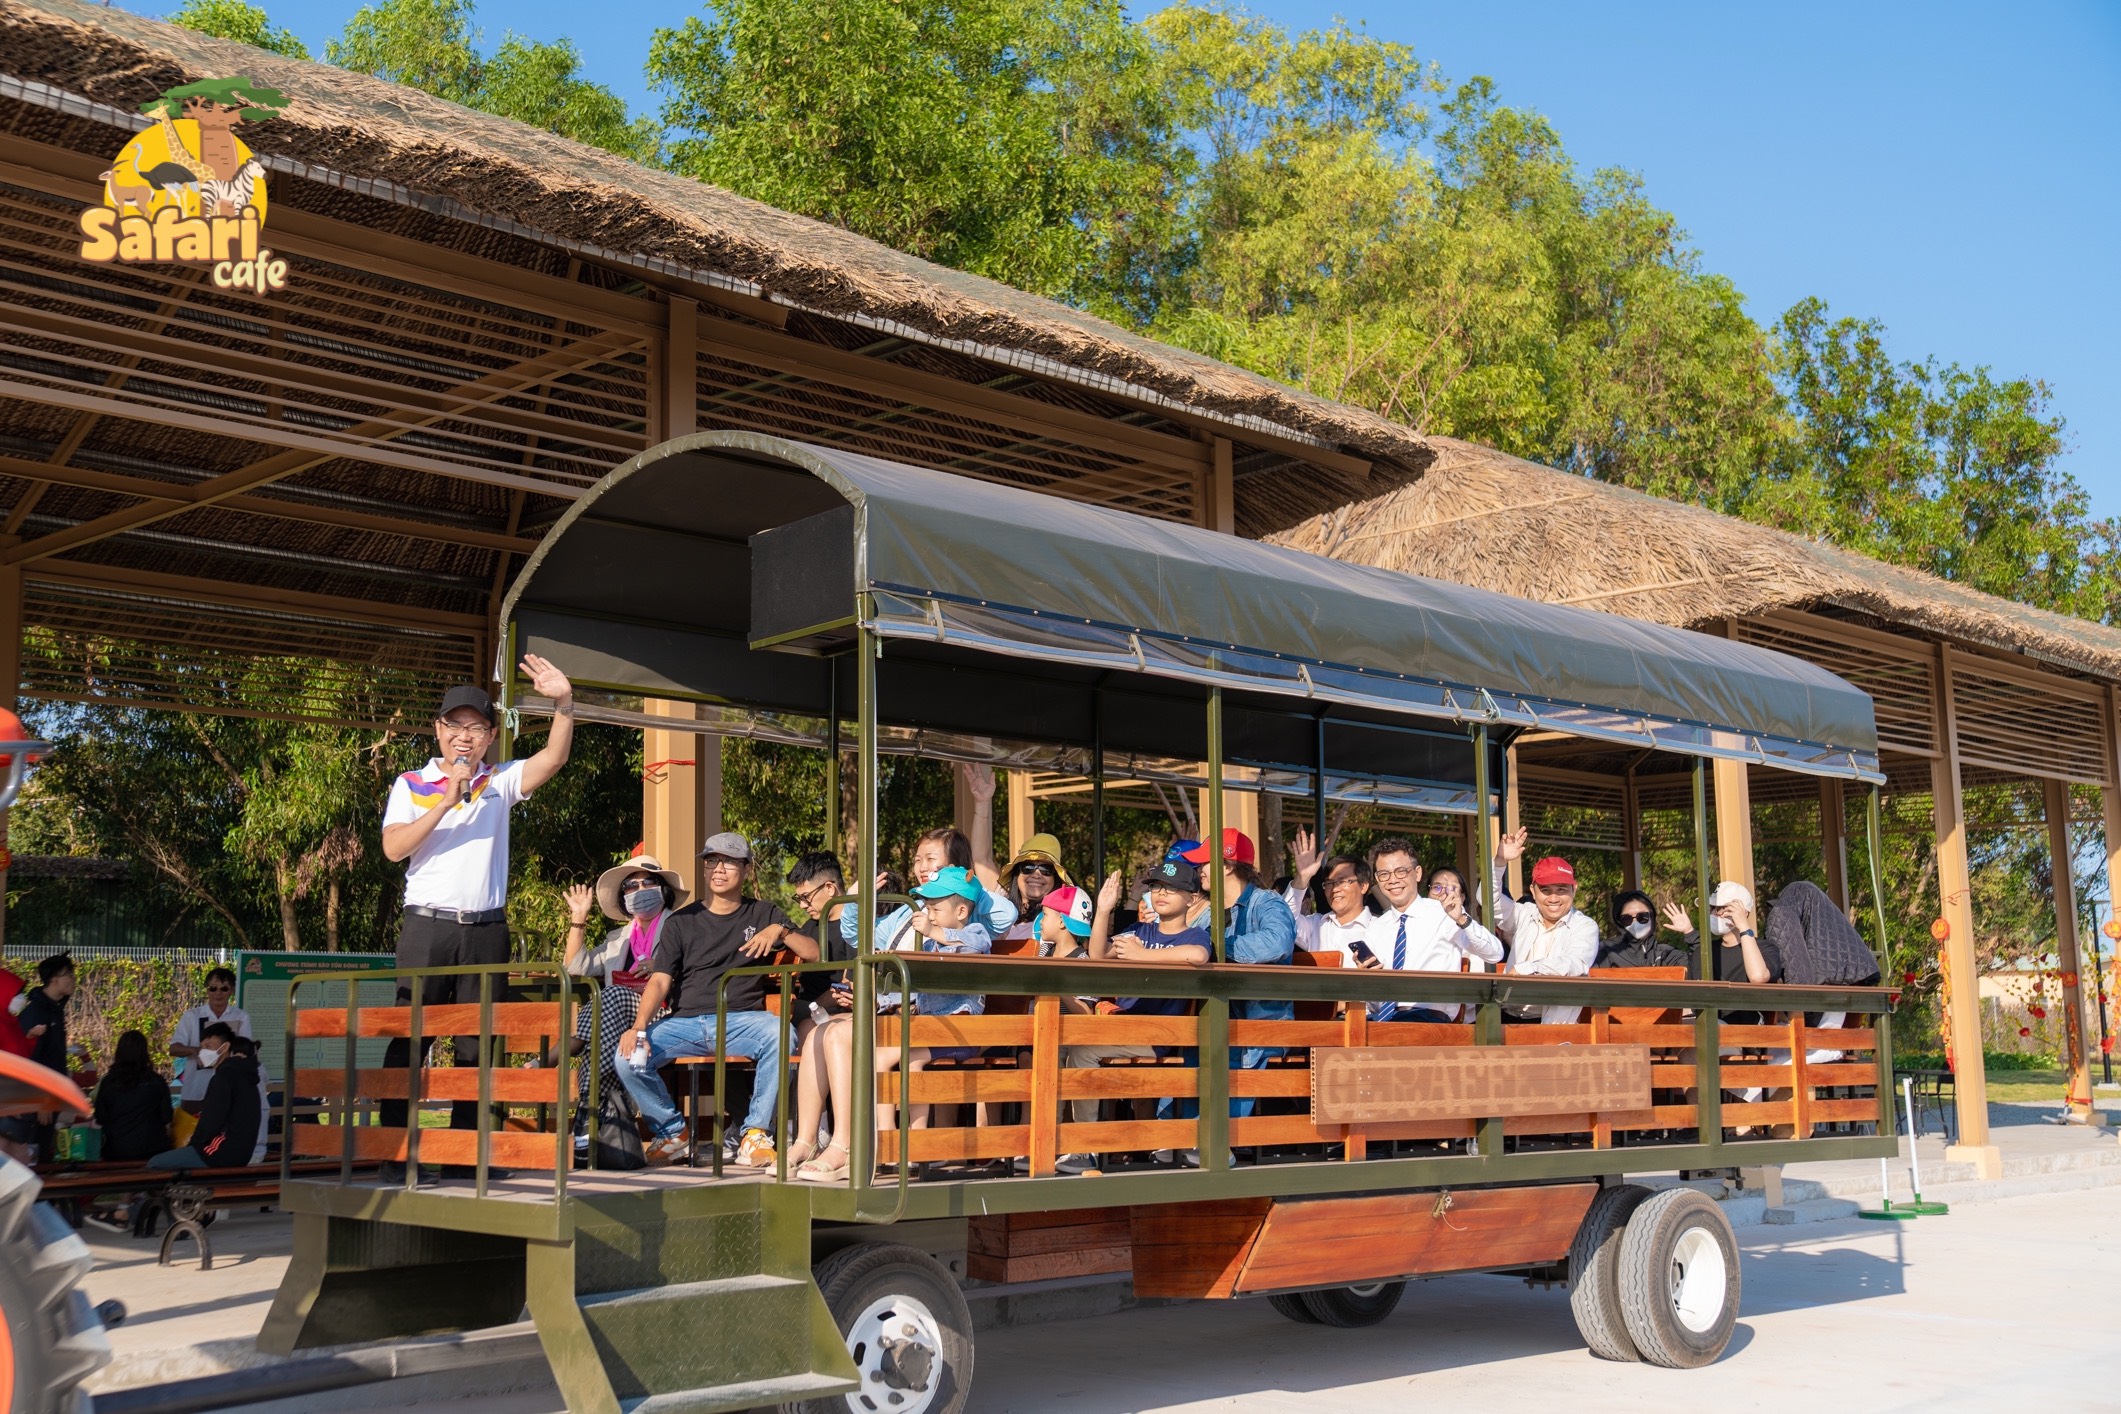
261,990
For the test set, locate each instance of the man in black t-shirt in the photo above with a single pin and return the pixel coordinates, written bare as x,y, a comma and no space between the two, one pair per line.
696,945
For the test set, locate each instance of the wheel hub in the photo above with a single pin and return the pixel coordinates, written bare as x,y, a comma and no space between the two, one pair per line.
897,1346
1699,1279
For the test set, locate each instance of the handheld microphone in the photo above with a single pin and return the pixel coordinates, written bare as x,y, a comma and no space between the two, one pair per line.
462,759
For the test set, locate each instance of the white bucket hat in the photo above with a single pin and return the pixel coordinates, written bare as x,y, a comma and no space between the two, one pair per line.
608,884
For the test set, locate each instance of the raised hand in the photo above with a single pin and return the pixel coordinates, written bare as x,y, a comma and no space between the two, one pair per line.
1676,919
1304,853
579,898
545,679
1513,844
980,777
1108,893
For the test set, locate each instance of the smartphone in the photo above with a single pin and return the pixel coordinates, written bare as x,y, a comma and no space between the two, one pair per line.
1362,951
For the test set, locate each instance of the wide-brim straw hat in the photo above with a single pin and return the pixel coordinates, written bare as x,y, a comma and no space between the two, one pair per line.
1042,847
608,884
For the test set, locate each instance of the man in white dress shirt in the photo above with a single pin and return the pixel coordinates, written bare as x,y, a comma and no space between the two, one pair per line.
1552,938
1415,934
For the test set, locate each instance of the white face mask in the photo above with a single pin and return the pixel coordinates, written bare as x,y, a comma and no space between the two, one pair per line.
207,1059
1639,931
1719,925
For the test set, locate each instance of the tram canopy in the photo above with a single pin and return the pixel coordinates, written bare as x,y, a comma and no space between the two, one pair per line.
730,567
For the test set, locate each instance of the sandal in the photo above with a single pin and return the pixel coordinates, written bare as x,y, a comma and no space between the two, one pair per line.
822,1169
801,1152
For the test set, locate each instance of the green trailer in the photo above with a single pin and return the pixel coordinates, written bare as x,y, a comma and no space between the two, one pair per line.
801,591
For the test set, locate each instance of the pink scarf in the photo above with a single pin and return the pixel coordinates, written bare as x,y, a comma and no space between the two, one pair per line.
640,938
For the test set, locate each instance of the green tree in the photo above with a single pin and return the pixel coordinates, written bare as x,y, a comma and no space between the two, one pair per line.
244,23
432,45
1023,141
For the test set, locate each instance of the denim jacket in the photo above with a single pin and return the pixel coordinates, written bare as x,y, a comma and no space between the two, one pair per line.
970,938
1261,929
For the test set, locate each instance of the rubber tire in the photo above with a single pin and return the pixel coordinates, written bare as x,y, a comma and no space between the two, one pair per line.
1293,1306
1647,1245
50,1338
1594,1272
1341,1306
854,1276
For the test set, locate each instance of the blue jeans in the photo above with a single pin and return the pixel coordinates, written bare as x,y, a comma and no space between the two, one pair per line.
1241,1058
1404,1012
181,1159
755,1035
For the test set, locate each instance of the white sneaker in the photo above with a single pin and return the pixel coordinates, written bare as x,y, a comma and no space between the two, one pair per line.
1076,1163
665,1151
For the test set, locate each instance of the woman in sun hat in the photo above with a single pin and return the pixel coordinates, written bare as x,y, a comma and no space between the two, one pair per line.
637,895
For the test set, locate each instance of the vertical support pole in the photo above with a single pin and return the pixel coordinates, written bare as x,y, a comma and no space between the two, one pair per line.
1318,782
484,1157
2075,1055
1212,1134
1833,840
1042,1114
1222,487
1631,832
1487,1031
1706,963
681,789
1023,818
1097,790
1954,885
1708,1073
1512,817
504,738
681,363
2110,804
861,1149
832,755
1483,836
1734,823
1875,822
10,688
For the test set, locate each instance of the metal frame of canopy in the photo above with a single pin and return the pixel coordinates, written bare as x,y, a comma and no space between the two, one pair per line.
908,524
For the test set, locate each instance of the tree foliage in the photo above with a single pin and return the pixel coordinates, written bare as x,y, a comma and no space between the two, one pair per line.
432,45
244,23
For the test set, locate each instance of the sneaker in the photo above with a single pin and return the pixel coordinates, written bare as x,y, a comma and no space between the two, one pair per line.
667,1150
1166,1157
756,1149
1189,1158
1077,1163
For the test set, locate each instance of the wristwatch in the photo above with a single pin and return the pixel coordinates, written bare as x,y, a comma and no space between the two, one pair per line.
1747,933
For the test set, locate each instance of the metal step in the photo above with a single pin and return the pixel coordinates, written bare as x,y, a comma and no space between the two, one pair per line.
686,1291
691,1336
786,1390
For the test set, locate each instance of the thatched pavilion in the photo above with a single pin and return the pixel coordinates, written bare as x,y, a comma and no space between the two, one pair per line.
208,493
1971,690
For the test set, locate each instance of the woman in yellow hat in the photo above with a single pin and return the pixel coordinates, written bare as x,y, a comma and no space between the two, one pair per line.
1027,879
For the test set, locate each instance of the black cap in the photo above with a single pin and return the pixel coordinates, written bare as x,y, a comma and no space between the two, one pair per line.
466,696
1176,874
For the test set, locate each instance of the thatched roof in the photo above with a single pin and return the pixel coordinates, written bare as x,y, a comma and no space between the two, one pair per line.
1481,517
373,130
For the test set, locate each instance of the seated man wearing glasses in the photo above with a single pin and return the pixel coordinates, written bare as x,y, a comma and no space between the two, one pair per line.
1416,934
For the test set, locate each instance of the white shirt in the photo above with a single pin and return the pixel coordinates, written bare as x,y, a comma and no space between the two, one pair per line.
1434,944
463,864
1564,949
1322,932
196,1076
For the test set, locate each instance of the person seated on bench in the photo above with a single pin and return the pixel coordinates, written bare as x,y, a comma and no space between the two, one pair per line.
132,1104
1027,879
1346,889
696,944
945,923
1416,934
1064,923
1259,929
945,848
1638,944
637,896
184,1042
233,1115
1551,938
1448,887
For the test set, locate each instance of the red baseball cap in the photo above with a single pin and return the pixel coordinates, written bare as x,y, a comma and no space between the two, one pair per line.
1237,849
1553,870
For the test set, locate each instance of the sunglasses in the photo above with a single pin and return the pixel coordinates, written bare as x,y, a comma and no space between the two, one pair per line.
1634,917
634,886
1037,866
219,987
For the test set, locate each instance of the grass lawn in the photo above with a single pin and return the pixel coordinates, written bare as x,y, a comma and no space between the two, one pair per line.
2050,1085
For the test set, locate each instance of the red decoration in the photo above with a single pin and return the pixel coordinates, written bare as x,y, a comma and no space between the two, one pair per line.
2025,1031
2038,1013
1908,977
2112,928
1941,930
2069,979
2106,1045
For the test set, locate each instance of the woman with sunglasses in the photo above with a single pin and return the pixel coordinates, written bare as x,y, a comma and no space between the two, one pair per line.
184,1044
1026,880
1638,944
1344,892
637,896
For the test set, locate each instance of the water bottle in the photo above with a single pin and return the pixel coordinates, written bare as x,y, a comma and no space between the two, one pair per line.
639,1059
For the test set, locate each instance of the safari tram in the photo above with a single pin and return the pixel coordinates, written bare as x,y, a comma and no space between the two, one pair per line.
801,591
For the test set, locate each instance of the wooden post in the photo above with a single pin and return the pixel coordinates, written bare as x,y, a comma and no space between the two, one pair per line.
1631,831
679,403
10,687
1023,818
1734,823
1833,841
1954,886
2076,1055
1512,817
1222,489
681,789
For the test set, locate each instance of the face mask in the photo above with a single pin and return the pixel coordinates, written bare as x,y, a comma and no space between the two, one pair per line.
1719,925
644,903
1639,931
207,1059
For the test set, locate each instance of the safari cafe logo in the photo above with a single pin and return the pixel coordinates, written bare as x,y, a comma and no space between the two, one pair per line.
188,191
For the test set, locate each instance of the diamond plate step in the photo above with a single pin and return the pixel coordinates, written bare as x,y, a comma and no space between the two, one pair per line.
788,1390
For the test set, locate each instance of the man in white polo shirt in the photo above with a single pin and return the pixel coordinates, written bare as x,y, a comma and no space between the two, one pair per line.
449,821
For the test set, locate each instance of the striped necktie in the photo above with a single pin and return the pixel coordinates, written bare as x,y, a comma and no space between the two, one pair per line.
1399,945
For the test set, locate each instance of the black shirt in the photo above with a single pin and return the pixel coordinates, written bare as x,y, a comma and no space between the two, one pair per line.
696,946
1730,967
230,1115
42,1009
134,1116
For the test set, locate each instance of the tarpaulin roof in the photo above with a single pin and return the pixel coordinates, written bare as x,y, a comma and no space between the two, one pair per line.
648,584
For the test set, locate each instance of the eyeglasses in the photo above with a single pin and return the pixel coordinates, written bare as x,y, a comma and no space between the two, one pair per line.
721,861
1339,881
459,729
1038,866
219,987
1442,885
634,886
1393,876
1634,917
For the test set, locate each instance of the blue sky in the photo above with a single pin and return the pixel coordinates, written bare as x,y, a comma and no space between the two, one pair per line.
1946,168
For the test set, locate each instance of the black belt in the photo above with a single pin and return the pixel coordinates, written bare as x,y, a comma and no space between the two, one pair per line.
458,915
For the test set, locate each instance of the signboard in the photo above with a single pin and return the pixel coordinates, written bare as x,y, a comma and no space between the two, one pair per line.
261,990
1398,1084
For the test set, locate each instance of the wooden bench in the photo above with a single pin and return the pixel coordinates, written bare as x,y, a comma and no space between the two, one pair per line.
186,1198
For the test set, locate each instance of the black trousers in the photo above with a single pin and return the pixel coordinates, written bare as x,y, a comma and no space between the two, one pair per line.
437,942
